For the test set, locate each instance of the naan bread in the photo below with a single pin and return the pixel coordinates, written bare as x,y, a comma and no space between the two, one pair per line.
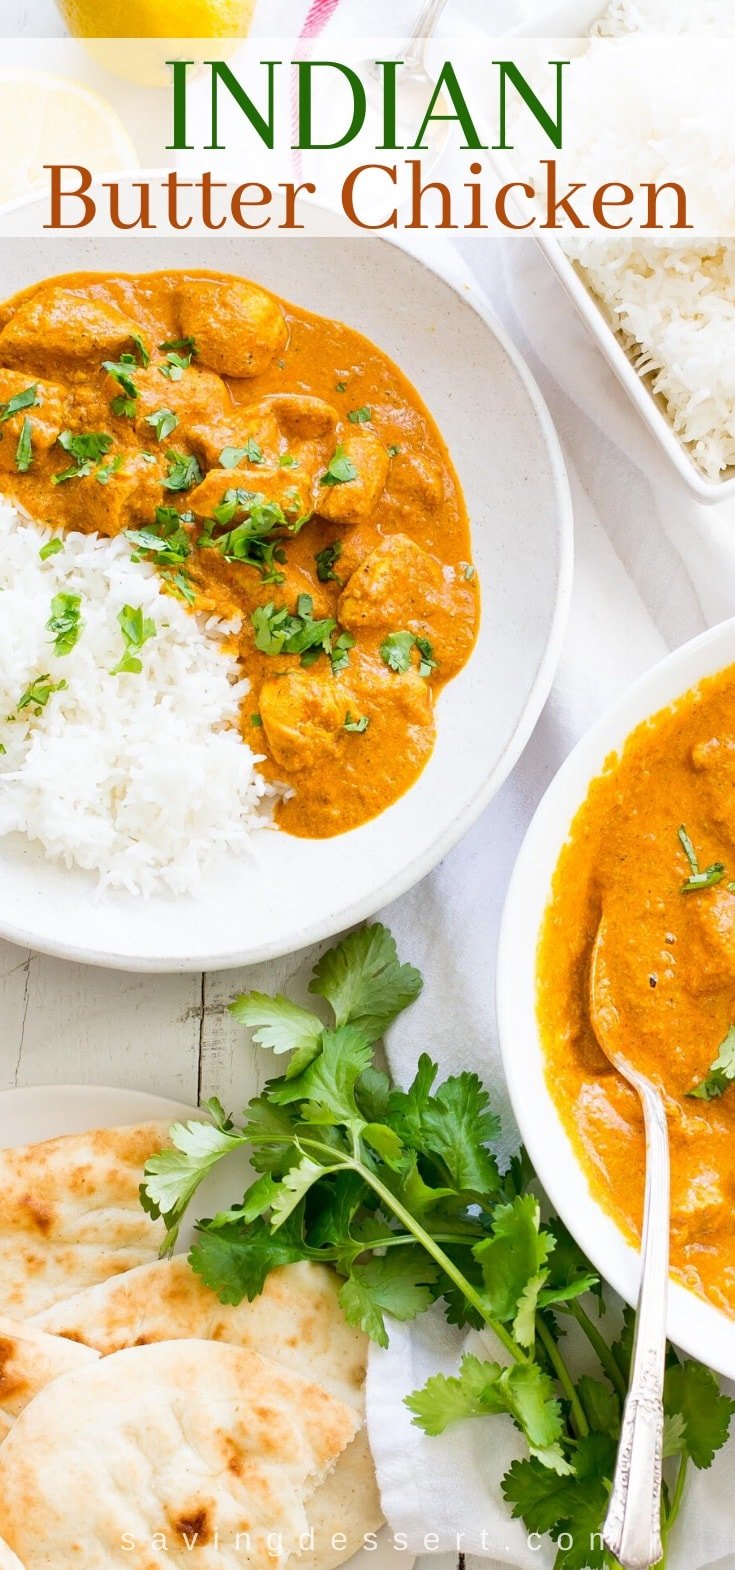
296,1321
29,1360
193,1440
71,1216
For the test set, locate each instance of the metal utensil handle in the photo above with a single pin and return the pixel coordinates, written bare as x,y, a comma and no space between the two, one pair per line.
415,53
632,1529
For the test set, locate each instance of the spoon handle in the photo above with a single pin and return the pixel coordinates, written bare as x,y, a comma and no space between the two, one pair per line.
632,1529
415,52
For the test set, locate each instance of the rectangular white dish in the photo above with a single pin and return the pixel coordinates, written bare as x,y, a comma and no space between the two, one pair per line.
572,19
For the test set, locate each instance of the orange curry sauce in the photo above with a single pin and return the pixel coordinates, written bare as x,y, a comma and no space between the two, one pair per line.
671,958
230,408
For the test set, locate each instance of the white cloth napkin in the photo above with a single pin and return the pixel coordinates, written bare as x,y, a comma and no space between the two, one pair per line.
653,568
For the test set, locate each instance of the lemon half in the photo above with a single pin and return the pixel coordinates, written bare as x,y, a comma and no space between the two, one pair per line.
48,119
157,18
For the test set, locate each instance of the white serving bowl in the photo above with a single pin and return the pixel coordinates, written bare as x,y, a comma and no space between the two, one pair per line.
696,1326
291,891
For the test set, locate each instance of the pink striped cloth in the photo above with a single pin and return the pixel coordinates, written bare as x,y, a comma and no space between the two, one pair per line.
317,17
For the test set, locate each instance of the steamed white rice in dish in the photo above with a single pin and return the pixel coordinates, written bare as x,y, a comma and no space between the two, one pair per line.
673,306
140,776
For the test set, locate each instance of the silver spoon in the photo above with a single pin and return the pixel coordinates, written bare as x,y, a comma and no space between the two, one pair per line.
632,1529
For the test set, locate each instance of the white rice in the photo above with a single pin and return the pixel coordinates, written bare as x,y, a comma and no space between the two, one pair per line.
673,306
140,778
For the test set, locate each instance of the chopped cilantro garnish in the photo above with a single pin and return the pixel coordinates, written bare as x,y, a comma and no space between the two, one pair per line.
393,450
721,1073
187,344
24,449
183,472
120,371
288,461
340,469
230,457
51,548
104,474
180,584
698,880
175,366
467,570
65,622
325,561
256,719
37,695
140,349
165,542
340,650
395,651
136,630
357,725
87,448
360,416
277,631
340,387
163,422
28,399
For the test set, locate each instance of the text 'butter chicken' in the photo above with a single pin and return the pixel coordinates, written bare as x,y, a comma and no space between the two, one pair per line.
281,473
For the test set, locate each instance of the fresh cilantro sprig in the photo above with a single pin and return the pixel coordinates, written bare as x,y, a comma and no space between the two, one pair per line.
396,650
165,542
400,1192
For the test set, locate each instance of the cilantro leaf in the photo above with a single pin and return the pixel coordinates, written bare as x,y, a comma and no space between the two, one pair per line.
280,1025
136,629
87,448
36,695
28,399
395,651
340,469
452,1126
51,548
513,1262
183,472
328,1084
232,457
24,449
360,416
293,1187
397,1283
120,371
172,1177
235,1260
698,879
364,982
721,1073
325,561
693,1392
482,1389
65,622
163,421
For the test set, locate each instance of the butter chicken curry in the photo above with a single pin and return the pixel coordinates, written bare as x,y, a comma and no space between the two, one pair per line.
653,847
282,474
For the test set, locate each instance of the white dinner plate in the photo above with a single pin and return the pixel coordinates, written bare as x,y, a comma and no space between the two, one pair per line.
693,1324
290,892
38,1112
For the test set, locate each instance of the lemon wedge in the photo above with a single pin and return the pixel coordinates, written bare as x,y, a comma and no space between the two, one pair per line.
49,119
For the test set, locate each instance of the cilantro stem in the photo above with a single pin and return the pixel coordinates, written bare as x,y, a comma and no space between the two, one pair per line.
671,1514
579,1421
437,1253
609,1364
